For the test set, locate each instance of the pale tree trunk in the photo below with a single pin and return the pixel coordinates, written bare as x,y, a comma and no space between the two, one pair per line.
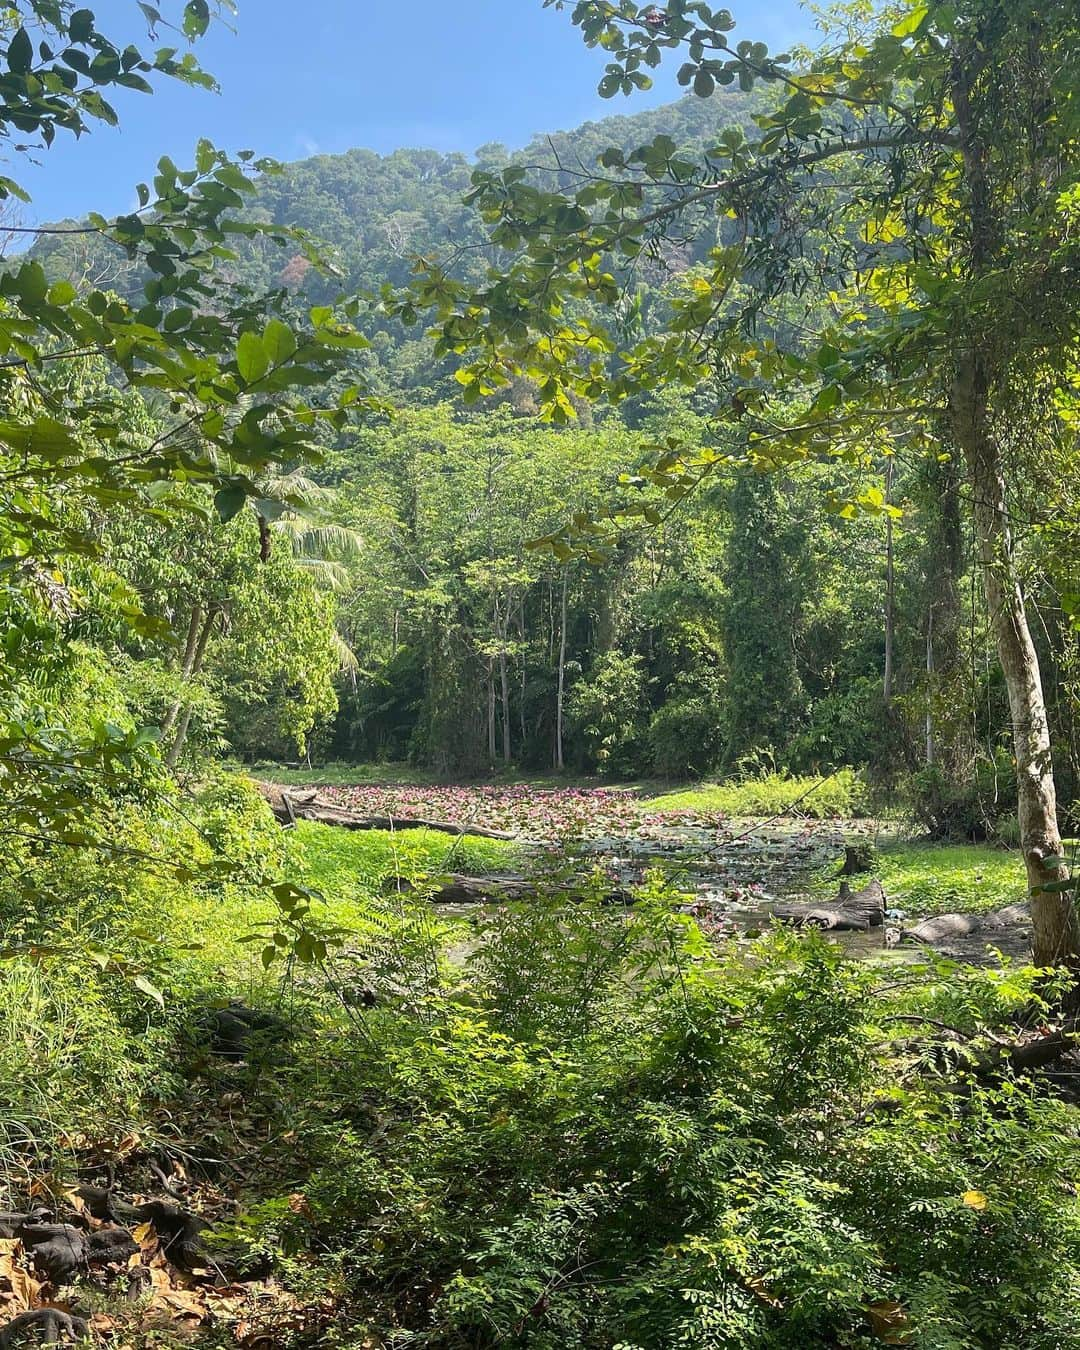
492,751
930,685
198,656
502,636
890,594
560,696
1057,929
1054,917
504,683
522,724
190,647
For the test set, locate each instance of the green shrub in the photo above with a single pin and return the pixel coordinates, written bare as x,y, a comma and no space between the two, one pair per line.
684,737
655,1146
976,807
841,795
606,713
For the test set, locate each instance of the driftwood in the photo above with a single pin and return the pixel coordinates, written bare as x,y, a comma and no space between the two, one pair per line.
457,889
950,926
462,890
289,807
854,912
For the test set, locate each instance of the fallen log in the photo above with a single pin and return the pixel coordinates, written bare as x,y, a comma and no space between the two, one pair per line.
869,902
853,912
832,920
941,929
457,889
288,807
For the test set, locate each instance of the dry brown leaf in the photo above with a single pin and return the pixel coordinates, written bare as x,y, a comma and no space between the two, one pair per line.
77,1203
23,1290
184,1303
889,1322
299,1204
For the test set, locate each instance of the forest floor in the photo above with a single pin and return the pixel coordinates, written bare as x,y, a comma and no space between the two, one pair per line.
239,1136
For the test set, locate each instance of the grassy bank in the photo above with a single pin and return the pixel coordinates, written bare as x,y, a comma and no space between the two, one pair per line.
841,795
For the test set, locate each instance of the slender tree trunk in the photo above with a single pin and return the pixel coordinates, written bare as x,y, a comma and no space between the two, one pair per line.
1057,928
890,595
504,683
1054,917
522,726
198,658
492,751
190,647
930,685
560,696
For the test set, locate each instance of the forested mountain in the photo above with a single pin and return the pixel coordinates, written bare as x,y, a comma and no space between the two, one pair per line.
737,631
377,212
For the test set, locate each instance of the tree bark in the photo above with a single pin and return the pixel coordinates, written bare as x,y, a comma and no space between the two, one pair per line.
491,712
1054,917
185,666
890,594
1053,913
560,696
196,665
930,684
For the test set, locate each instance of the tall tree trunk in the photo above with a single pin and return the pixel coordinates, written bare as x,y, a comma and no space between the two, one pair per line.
1054,917
198,657
930,685
1057,928
492,750
890,594
504,683
190,647
560,696
522,725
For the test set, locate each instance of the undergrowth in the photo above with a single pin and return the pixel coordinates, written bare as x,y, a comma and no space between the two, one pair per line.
841,796
584,1125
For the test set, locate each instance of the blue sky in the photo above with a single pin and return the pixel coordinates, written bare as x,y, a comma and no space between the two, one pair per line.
323,76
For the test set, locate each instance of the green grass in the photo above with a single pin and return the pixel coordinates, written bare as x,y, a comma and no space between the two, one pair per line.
839,797
347,868
346,865
927,879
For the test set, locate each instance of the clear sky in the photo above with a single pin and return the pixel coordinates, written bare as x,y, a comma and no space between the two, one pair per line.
302,77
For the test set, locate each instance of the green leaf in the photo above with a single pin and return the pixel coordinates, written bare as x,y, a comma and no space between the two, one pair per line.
196,18
251,357
229,500
61,293
141,982
704,84
20,53
911,25
278,342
